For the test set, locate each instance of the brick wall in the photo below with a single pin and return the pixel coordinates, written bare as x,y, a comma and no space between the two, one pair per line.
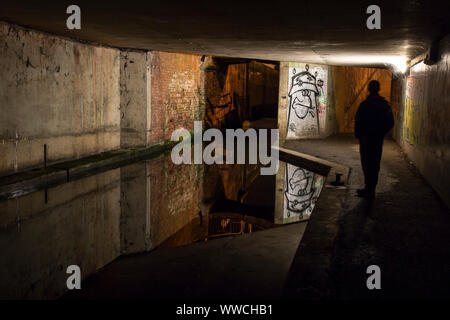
175,193
177,93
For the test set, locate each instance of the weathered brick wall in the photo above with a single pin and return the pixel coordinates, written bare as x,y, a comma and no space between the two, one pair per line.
177,93
175,193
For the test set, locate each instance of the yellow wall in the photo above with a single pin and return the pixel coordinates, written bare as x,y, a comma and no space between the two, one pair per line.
350,89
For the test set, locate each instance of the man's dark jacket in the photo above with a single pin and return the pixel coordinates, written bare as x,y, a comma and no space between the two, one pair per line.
373,118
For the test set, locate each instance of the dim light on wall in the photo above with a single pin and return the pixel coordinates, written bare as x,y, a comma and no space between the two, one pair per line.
398,63
420,67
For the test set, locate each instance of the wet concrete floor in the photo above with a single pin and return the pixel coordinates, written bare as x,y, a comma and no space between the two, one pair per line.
405,231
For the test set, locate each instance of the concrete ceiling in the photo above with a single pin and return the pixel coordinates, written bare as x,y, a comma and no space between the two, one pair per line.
314,31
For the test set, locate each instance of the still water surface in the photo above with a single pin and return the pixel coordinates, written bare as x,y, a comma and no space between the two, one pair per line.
91,221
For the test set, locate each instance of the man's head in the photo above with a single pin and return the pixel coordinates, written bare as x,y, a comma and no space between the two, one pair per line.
374,87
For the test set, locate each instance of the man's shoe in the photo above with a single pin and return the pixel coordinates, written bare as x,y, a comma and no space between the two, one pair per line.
364,193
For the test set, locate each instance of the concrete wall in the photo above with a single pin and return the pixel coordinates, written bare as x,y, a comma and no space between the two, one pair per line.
318,123
81,99
422,108
56,92
135,98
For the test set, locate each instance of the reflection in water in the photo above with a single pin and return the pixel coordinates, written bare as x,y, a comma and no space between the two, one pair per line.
91,221
146,205
301,191
80,224
216,225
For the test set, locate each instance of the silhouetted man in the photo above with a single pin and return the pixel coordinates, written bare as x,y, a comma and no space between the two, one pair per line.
372,122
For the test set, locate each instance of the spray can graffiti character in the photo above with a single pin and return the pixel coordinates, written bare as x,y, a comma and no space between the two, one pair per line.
303,97
299,190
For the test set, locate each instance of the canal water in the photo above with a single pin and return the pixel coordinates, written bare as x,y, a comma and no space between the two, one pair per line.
148,205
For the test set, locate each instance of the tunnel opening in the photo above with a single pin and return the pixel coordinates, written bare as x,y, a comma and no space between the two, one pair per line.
241,94
78,184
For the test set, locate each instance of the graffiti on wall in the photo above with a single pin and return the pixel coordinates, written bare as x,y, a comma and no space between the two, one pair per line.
307,100
301,190
412,120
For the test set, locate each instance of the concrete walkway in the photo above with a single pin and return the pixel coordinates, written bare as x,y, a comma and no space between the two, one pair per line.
253,265
405,231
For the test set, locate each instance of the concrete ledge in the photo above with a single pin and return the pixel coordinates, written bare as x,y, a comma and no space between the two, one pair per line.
323,167
304,161
25,182
310,275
